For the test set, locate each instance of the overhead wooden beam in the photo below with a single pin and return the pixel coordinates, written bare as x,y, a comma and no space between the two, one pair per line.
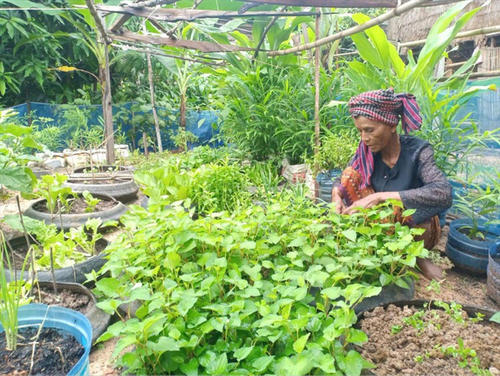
353,30
331,3
203,46
119,22
173,15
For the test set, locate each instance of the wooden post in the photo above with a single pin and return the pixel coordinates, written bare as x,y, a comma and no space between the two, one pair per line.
105,79
145,143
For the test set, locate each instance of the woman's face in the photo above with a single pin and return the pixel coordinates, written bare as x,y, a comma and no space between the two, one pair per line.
376,135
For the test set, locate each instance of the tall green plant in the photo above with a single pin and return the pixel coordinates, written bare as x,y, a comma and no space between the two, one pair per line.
11,295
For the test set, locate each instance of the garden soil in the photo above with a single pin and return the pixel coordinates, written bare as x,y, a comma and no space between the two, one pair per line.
413,351
64,298
55,353
78,206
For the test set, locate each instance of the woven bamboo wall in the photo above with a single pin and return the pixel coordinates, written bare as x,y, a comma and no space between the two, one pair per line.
490,59
416,23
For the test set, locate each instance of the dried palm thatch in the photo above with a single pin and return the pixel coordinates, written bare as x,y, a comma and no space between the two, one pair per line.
416,24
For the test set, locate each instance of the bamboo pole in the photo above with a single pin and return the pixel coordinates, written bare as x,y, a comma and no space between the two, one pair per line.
463,34
153,104
353,30
316,95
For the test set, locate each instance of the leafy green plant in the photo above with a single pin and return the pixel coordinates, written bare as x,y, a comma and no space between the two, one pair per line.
476,204
336,151
467,357
264,176
182,137
218,187
15,142
229,292
52,189
91,201
12,295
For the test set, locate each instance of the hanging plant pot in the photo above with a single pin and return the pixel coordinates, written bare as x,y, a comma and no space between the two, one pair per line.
469,254
74,273
77,297
69,355
493,273
108,209
422,338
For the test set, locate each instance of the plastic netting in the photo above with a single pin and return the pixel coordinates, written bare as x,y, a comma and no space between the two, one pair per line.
203,124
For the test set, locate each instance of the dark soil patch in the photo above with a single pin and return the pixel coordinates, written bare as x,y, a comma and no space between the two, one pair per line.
64,298
56,352
21,250
414,351
466,231
77,206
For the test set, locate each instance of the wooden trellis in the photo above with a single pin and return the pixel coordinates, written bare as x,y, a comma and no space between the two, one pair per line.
151,11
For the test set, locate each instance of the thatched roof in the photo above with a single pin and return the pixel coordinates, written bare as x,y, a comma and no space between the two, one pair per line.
416,23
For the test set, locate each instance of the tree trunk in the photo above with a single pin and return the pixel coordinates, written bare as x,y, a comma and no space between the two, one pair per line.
153,105
107,110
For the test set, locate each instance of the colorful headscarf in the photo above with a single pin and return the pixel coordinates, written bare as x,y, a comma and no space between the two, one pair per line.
386,107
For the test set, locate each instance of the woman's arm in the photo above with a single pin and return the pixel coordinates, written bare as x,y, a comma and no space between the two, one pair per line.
435,194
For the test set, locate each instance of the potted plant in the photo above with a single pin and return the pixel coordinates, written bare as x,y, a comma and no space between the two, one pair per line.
470,237
334,154
57,256
60,338
60,206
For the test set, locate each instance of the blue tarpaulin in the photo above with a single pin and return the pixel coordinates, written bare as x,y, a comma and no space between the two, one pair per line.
203,124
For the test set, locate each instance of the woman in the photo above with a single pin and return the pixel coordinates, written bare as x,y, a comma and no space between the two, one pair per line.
391,166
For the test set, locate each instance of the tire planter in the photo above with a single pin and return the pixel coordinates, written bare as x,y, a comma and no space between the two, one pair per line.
493,273
75,273
67,221
123,190
468,254
65,319
102,169
99,320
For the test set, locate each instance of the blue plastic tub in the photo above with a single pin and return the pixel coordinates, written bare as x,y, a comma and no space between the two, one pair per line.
70,321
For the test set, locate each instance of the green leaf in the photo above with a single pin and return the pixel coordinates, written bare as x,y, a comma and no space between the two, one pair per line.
300,343
16,178
163,344
496,317
350,234
190,368
186,303
261,364
357,336
219,366
353,363
332,292
242,353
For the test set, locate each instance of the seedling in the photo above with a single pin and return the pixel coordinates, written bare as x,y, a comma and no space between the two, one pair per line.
52,190
91,202
467,357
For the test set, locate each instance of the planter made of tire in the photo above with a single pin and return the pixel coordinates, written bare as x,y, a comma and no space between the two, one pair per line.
123,190
99,320
65,319
493,273
102,169
67,221
75,273
468,254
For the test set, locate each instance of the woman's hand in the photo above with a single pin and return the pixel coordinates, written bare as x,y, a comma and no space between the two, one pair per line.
372,200
337,200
